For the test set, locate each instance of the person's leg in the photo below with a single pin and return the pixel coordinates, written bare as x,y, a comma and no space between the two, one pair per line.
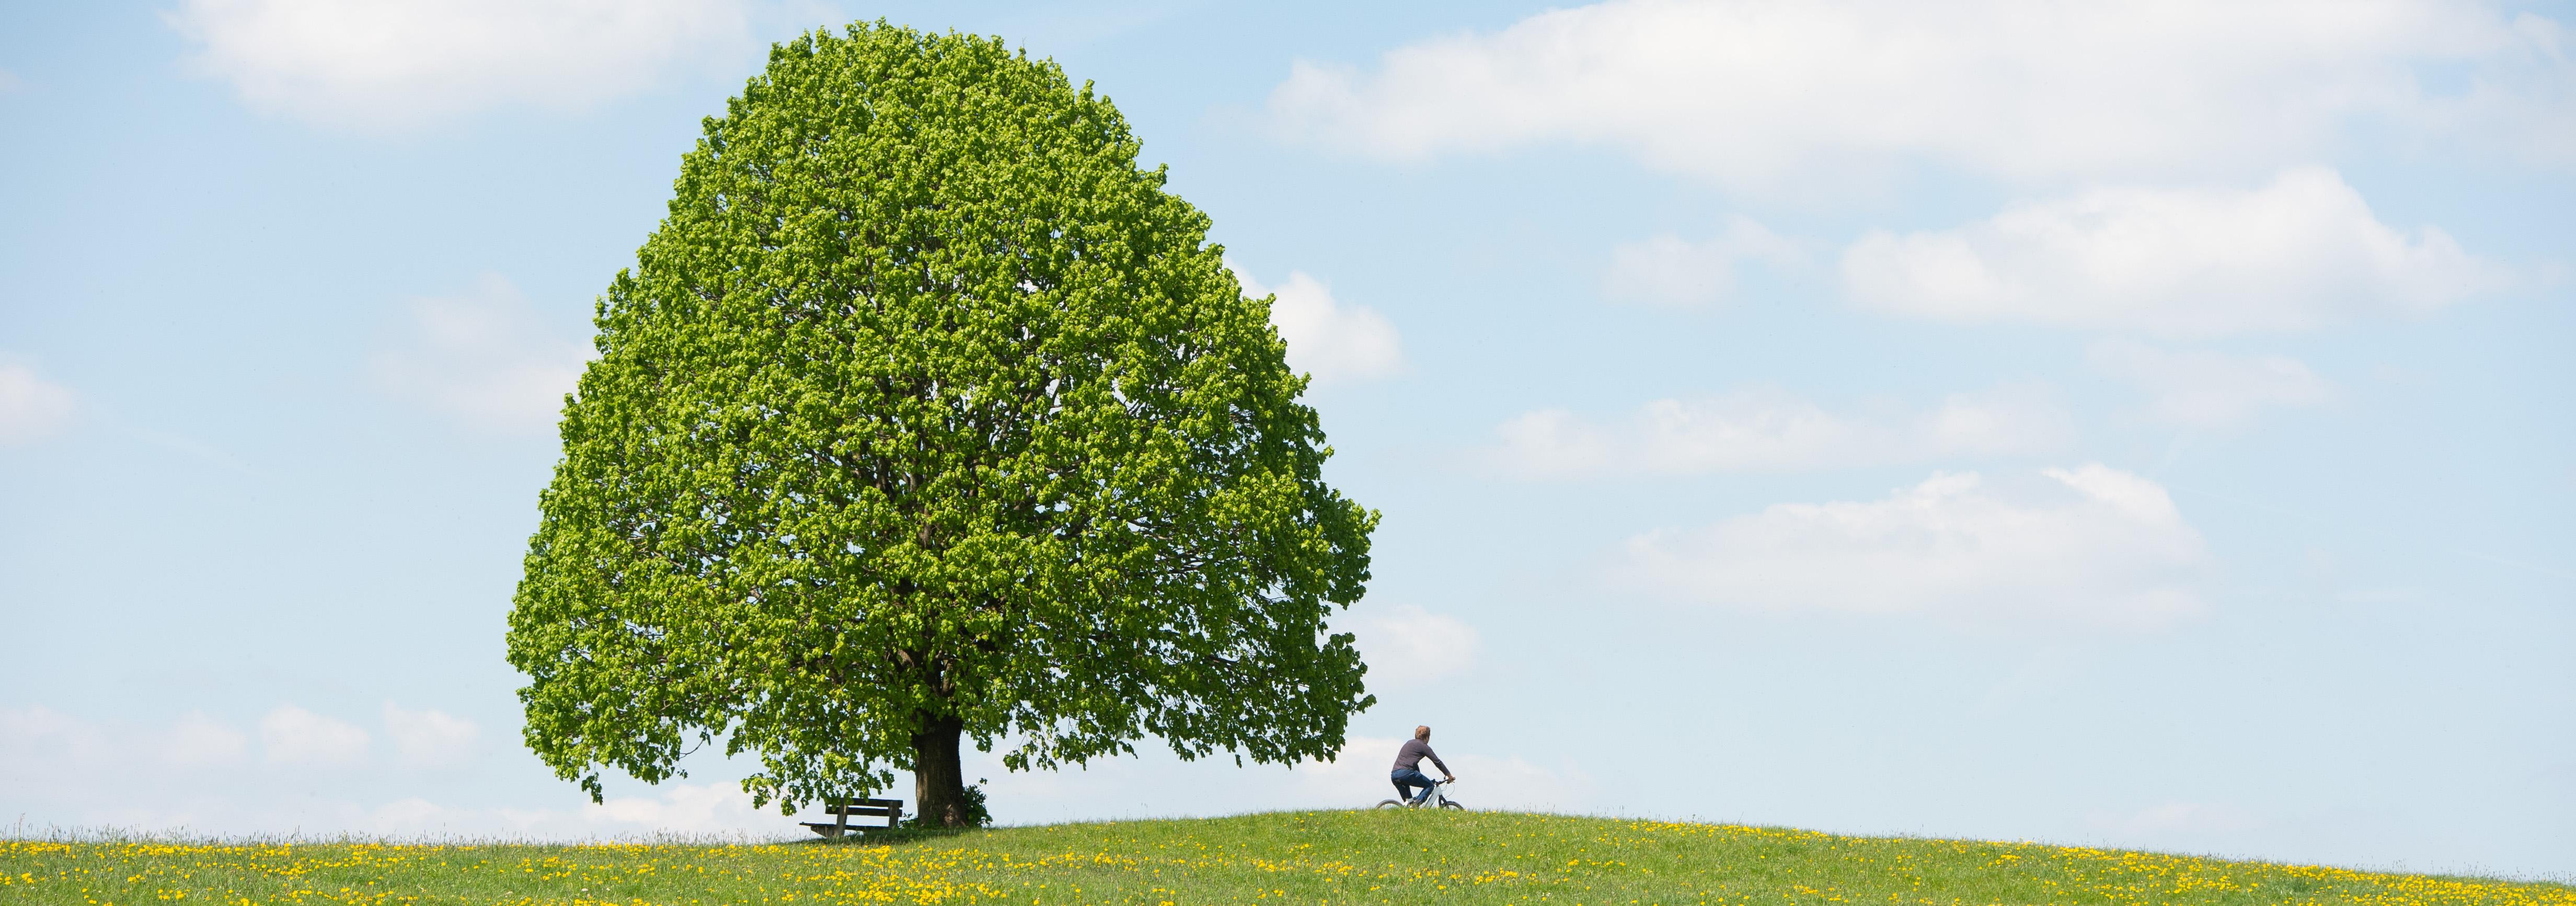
1407,779
1415,778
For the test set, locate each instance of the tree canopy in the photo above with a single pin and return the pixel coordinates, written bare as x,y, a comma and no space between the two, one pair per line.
925,414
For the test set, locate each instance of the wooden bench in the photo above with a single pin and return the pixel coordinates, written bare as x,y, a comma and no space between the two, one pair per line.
889,809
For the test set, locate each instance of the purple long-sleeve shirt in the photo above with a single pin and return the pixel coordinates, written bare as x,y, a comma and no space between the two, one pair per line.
1414,752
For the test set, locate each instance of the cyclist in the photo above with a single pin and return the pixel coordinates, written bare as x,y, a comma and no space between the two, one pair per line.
1408,775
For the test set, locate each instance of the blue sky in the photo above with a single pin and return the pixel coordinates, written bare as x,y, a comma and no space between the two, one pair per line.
2143,427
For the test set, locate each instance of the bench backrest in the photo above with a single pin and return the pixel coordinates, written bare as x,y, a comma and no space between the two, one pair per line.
881,808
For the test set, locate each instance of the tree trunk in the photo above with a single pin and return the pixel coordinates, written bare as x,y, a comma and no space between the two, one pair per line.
938,785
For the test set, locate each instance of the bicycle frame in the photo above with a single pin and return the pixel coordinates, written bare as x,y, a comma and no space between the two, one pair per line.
1438,796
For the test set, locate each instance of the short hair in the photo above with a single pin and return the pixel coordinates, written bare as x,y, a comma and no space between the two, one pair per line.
1422,732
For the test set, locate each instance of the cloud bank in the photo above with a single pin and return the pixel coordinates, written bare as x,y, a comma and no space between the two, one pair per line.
1772,430
393,64
2303,251
2090,545
429,738
1750,93
197,774
293,736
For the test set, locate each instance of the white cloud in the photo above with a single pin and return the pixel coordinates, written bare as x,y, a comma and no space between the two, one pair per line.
483,358
2301,252
396,63
683,808
710,810
68,771
1670,270
1334,342
1407,644
1753,93
713,811
1767,429
198,740
428,738
295,736
38,742
717,810
31,408
38,745
2092,545
2203,389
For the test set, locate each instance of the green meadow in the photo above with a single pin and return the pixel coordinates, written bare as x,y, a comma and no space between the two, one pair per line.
1291,857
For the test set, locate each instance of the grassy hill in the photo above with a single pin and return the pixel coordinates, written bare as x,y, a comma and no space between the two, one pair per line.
1297,857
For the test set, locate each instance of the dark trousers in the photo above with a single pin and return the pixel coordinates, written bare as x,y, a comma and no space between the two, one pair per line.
1408,778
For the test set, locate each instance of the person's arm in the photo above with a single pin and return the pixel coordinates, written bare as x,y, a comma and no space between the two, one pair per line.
1444,766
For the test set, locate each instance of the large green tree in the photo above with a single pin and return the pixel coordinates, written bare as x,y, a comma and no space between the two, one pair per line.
924,416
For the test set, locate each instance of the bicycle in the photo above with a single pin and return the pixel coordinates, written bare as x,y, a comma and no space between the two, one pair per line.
1436,797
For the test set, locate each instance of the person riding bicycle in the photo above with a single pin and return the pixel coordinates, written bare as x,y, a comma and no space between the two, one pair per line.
1407,775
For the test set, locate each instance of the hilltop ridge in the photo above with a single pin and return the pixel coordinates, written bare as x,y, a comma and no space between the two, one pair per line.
1305,857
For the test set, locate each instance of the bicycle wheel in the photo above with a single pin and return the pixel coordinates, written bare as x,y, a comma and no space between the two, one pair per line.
1390,803
1453,805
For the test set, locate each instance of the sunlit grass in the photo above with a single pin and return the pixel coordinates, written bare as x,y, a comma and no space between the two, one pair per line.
1300,857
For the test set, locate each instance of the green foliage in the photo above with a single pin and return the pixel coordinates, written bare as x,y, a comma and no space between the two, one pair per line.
926,412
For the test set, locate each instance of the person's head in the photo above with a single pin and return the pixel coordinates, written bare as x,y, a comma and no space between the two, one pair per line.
1422,733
